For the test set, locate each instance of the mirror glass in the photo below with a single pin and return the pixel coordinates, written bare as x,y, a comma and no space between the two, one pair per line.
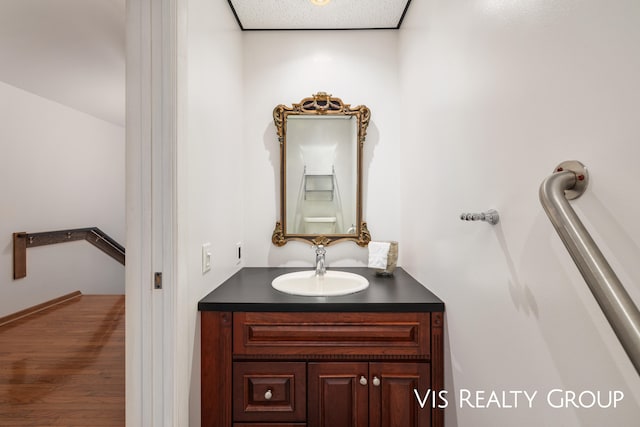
321,156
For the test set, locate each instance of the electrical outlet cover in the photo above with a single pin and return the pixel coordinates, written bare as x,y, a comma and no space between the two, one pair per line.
238,253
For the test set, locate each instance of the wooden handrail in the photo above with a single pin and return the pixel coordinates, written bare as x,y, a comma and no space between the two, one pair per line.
93,235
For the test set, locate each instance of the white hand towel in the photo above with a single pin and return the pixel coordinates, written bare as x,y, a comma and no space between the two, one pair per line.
378,253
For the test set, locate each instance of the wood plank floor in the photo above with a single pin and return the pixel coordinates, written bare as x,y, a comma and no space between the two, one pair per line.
64,366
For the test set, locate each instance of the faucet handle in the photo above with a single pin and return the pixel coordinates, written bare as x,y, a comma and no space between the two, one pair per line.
320,263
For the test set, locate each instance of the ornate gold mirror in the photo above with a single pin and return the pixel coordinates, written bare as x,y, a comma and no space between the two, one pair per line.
321,141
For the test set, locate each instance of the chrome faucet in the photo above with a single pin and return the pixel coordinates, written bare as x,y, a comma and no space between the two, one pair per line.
320,266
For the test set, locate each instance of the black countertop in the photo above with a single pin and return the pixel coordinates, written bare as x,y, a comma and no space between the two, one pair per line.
250,290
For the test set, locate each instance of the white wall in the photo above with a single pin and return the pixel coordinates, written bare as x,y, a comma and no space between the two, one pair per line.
495,95
282,67
59,169
210,165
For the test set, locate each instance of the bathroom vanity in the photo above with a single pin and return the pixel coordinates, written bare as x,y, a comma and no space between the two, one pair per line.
271,359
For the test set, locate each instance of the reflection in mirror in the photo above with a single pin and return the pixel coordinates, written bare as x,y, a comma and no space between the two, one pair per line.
321,180
321,149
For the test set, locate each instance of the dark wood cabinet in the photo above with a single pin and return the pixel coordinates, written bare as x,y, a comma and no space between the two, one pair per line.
264,391
327,369
338,394
361,394
392,398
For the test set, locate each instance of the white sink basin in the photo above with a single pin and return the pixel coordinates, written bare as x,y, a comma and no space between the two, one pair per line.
333,283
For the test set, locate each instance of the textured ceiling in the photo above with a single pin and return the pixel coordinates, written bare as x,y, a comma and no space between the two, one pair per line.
304,15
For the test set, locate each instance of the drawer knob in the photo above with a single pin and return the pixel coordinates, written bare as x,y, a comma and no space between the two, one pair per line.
363,380
376,381
268,394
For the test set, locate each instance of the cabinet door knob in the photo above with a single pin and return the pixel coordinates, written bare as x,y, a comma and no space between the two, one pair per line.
376,381
268,394
363,380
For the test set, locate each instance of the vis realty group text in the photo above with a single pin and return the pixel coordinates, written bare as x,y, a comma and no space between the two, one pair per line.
509,399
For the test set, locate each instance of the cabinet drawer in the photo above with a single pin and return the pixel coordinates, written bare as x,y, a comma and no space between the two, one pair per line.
269,425
264,391
321,334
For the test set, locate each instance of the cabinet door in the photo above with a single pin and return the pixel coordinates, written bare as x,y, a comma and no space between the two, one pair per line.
392,400
337,394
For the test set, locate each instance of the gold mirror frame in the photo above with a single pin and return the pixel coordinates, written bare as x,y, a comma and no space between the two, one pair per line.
321,104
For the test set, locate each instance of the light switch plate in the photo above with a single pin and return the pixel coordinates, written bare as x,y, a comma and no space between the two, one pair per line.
206,257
